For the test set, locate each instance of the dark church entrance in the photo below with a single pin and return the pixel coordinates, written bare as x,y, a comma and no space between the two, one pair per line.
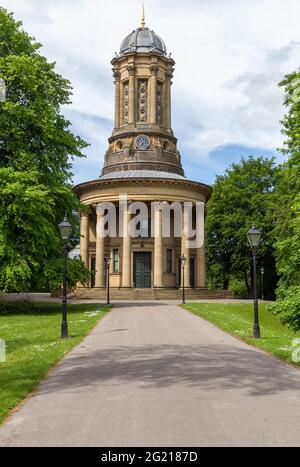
142,270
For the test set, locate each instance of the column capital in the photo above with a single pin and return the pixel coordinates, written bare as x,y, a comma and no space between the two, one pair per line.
169,76
131,70
116,74
153,69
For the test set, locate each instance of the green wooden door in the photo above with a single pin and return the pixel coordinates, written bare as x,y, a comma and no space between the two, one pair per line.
192,272
142,270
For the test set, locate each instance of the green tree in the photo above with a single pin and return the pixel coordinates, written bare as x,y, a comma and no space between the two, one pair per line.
288,210
244,195
287,229
36,152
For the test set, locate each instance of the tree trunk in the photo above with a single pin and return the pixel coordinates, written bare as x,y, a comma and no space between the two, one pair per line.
225,283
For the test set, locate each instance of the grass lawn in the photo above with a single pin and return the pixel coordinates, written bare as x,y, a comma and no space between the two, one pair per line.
237,319
33,346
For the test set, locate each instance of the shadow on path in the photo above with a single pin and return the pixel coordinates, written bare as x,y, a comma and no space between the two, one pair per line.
207,367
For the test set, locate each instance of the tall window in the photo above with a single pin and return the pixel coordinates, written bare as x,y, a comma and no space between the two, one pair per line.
169,261
125,103
142,100
115,260
159,99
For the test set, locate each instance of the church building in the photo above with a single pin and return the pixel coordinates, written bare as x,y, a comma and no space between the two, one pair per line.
142,163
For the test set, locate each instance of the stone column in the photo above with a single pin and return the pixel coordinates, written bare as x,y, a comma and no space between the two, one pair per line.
200,261
117,77
153,93
84,239
158,249
185,251
201,268
169,77
99,279
131,110
126,259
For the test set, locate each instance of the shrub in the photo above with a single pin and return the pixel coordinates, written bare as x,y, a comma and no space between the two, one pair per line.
19,307
239,288
287,307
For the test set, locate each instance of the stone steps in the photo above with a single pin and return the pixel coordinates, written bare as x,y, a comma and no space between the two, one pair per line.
150,294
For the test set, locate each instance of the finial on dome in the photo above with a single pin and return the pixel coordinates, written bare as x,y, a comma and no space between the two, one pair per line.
143,16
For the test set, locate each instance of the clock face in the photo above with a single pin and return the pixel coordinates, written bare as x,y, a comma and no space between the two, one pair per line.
142,142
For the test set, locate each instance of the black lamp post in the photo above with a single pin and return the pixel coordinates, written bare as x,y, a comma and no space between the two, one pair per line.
65,231
262,271
107,265
253,237
182,263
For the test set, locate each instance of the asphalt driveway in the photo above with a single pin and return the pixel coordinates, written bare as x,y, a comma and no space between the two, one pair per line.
152,374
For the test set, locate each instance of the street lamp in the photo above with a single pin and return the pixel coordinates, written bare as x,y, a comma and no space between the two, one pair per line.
65,231
253,237
262,271
107,265
182,262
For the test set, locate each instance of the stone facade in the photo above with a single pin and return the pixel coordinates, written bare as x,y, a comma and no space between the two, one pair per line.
143,163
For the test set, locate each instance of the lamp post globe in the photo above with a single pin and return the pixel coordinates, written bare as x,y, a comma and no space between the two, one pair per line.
65,229
254,238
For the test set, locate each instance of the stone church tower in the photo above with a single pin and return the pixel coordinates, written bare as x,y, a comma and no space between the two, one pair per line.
143,163
143,77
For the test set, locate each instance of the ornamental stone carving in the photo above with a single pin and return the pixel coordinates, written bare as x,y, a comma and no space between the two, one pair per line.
142,100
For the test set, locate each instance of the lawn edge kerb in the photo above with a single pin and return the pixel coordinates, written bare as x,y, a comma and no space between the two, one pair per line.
49,370
252,342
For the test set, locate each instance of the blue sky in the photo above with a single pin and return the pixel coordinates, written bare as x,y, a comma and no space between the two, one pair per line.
230,56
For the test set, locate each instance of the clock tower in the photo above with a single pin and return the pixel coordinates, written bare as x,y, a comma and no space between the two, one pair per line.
142,138
143,165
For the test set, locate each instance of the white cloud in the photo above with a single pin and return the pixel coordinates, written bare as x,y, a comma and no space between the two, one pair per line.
230,56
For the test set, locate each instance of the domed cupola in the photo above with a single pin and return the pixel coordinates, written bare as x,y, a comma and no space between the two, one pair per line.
142,40
142,138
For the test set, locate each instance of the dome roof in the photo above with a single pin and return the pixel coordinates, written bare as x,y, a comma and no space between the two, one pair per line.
142,40
141,174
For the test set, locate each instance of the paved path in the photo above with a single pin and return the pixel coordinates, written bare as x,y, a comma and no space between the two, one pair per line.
153,374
